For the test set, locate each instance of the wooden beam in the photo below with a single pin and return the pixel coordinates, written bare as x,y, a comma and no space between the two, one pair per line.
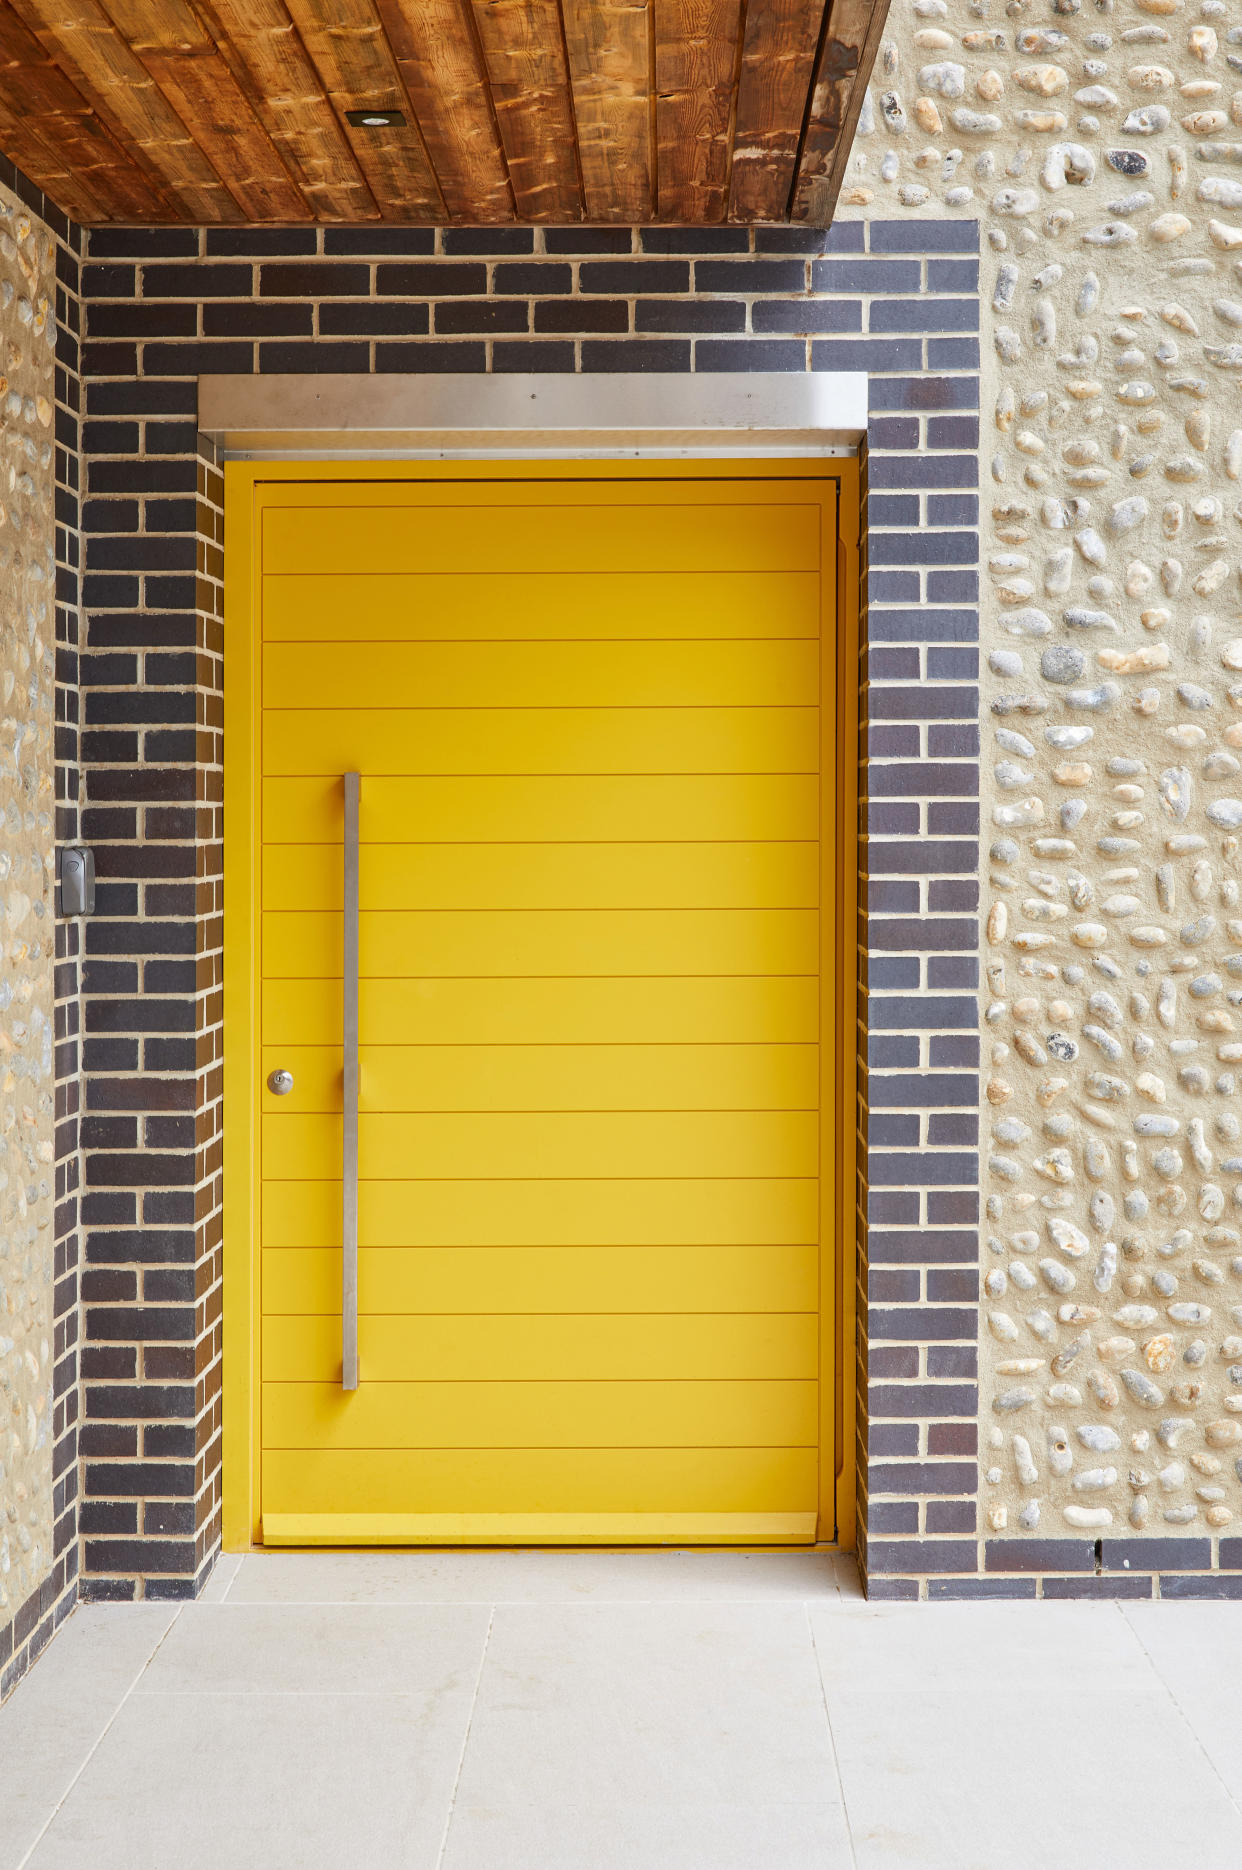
90,51
441,66
778,63
53,134
355,63
846,57
524,51
609,48
168,37
260,44
696,57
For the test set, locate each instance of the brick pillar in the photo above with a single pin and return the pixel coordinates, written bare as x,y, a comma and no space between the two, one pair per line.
152,756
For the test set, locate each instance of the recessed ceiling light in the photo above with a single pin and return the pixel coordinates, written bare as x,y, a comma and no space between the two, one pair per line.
375,119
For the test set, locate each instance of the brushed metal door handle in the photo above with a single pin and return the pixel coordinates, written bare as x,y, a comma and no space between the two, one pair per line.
349,1126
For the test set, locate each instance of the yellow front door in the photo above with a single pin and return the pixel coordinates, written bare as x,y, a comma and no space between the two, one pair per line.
586,716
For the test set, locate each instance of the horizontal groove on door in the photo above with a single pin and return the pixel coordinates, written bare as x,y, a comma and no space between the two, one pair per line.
726,536
642,1277
583,1347
555,1480
473,606
729,673
745,875
519,943
525,808
410,739
575,1145
462,1078
531,1414
568,1011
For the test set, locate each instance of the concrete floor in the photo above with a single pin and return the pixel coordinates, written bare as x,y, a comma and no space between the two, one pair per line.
605,1711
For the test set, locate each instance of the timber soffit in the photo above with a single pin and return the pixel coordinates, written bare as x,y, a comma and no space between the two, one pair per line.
692,112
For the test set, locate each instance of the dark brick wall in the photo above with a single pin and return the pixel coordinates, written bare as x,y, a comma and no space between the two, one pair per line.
152,684
897,300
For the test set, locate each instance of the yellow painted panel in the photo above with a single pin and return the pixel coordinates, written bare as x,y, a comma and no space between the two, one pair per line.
564,675
504,1214
539,1529
551,1077
547,876
727,534
517,808
464,605
498,942
567,1011
591,1005
582,1347
542,1415
641,1278
541,740
541,1480
498,1145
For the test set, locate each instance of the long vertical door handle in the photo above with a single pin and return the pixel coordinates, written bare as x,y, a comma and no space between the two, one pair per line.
349,1128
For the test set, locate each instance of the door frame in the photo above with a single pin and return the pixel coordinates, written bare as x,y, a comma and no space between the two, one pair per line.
839,1104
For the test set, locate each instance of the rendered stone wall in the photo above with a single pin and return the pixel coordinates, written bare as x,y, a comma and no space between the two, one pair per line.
1099,144
27,931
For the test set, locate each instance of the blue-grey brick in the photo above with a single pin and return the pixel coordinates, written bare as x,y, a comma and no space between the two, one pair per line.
944,1090
931,471
749,354
922,393
903,933
947,1050
891,741
953,741
899,509
897,703
869,354
953,818
892,432
923,548
953,587
913,1012
953,1130
953,353
953,970
923,314
953,509
952,665
889,895
863,275
953,895
923,779
921,856
952,275
841,237
893,587
895,1050
885,664
923,236
923,626
808,317
893,971
893,1130
920,1246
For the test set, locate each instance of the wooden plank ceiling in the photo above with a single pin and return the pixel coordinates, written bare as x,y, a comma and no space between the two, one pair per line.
685,111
